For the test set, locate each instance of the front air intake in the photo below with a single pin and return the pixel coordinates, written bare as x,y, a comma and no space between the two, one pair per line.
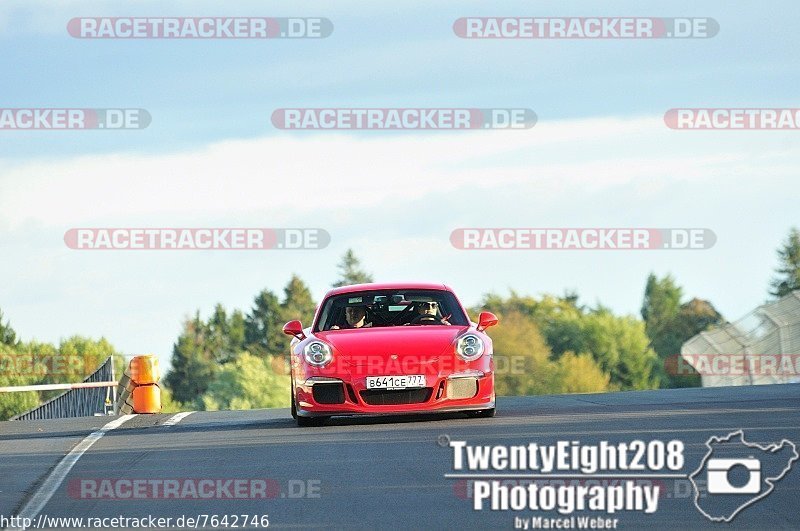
382,397
328,393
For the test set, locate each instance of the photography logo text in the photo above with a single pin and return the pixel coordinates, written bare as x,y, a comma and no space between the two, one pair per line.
629,462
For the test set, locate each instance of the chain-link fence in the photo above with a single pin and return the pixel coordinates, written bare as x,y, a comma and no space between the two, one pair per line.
761,348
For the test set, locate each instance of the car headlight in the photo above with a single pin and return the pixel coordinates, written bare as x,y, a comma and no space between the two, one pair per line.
317,354
470,347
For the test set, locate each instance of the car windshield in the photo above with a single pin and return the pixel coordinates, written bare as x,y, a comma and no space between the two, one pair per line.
384,308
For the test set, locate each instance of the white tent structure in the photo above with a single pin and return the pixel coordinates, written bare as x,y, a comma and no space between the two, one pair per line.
761,348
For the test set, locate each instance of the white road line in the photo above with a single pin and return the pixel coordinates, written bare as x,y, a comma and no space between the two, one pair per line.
174,419
59,473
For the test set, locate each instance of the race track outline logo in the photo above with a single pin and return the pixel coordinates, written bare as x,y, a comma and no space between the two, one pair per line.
720,495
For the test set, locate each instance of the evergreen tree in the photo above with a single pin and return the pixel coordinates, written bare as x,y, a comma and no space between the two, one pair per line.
193,363
788,278
236,332
263,326
351,272
662,299
7,334
669,324
218,337
693,317
297,301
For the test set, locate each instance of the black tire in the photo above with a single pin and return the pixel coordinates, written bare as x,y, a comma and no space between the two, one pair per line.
481,414
311,422
294,407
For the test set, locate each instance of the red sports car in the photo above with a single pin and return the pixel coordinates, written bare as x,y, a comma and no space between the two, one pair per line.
391,348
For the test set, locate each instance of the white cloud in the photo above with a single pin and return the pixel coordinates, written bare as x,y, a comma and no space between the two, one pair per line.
297,173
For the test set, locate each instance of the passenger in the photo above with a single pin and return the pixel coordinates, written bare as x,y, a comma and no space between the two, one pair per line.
356,317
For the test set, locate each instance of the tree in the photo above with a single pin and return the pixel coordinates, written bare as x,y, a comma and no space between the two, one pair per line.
662,299
78,357
669,324
297,302
351,272
579,373
263,325
788,272
7,334
523,363
222,342
521,358
693,317
193,363
621,348
247,383
618,345
17,367
15,403
236,331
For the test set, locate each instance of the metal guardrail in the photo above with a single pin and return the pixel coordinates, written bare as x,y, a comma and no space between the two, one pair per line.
84,402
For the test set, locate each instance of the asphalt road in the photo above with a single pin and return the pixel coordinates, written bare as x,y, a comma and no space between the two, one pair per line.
388,472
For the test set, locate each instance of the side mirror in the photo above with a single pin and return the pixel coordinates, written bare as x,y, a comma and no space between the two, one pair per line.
294,328
485,320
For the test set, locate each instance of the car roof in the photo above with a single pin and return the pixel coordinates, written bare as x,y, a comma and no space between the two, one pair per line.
387,286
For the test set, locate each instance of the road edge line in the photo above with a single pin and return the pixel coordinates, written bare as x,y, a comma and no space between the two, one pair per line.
54,480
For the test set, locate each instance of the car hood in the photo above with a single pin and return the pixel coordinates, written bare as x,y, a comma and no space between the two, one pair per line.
426,342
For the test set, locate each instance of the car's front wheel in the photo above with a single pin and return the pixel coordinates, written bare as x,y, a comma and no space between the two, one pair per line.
294,407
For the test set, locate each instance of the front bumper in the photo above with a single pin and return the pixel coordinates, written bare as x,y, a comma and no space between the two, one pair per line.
345,396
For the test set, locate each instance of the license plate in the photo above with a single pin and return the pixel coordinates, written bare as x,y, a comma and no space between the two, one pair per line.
413,381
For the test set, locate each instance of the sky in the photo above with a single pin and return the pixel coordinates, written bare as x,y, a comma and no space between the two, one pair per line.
599,156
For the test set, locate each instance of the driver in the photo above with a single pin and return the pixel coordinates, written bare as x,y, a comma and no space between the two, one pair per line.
428,311
356,317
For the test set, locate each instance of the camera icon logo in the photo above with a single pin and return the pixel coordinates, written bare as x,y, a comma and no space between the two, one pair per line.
719,476
739,473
